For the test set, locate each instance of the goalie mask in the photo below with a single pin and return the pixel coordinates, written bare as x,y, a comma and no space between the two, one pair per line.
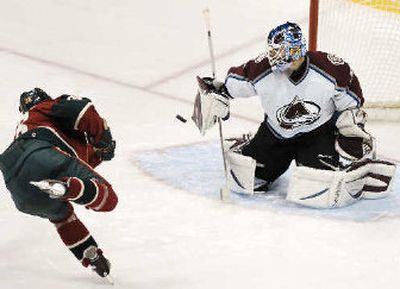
28,99
286,43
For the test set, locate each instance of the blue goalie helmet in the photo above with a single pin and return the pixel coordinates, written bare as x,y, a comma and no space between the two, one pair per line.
28,99
286,43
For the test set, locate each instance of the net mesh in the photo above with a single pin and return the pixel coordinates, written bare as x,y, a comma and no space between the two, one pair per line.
366,34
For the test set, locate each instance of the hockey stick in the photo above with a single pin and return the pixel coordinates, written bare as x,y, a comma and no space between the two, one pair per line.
225,191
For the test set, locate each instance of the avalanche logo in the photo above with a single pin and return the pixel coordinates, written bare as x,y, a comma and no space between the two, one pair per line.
298,113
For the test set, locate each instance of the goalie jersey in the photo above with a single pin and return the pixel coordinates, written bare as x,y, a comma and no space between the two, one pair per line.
301,102
66,122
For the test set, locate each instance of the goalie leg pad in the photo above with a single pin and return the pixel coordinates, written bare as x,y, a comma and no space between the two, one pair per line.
241,172
370,179
377,178
318,188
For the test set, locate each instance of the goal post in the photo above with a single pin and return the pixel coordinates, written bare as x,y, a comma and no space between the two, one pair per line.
366,34
313,25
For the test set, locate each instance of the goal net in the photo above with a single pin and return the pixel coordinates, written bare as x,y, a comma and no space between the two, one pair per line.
366,34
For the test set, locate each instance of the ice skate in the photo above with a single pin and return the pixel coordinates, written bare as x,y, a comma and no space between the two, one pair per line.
54,188
98,262
261,186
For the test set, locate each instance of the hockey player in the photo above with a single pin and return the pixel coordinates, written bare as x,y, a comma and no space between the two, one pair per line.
51,162
312,104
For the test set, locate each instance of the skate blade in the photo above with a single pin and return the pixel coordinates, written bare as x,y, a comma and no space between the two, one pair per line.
109,279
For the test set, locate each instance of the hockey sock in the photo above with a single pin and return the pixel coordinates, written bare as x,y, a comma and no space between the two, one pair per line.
93,194
75,235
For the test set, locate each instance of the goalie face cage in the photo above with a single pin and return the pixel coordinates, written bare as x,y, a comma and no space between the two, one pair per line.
366,34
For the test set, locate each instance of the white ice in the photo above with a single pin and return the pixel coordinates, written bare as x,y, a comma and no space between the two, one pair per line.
137,60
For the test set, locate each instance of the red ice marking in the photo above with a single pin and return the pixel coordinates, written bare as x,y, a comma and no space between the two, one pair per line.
147,88
204,62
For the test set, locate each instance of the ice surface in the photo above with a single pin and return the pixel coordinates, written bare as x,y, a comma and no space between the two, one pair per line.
175,166
138,60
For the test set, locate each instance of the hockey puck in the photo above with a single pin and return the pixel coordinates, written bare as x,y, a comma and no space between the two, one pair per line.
181,118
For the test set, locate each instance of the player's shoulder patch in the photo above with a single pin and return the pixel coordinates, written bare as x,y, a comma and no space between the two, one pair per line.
334,59
331,66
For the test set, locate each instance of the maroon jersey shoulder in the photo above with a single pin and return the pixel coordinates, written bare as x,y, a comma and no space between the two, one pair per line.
48,116
252,69
331,65
336,69
40,114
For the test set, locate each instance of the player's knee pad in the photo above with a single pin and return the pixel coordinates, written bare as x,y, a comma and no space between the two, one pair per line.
370,179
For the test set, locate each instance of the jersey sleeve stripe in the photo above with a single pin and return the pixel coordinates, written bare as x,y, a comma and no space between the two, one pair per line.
81,114
261,76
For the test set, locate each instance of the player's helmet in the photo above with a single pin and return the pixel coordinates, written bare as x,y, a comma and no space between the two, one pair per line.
28,99
286,43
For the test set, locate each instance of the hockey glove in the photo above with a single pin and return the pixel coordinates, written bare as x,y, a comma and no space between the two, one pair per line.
105,147
211,103
353,142
218,87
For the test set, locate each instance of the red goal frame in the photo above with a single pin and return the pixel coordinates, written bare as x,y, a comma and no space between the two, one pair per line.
313,25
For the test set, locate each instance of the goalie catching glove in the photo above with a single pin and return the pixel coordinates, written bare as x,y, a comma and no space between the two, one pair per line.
211,103
353,142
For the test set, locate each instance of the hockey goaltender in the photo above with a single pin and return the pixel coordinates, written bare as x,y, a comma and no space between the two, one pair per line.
312,103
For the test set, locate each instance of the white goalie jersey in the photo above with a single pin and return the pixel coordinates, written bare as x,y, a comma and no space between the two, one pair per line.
300,103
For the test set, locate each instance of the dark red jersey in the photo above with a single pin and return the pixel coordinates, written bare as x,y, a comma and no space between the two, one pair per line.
67,122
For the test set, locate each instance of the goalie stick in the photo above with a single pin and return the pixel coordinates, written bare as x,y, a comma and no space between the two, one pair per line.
225,191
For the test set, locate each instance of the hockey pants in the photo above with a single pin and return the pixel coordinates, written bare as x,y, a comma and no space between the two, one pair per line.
35,160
